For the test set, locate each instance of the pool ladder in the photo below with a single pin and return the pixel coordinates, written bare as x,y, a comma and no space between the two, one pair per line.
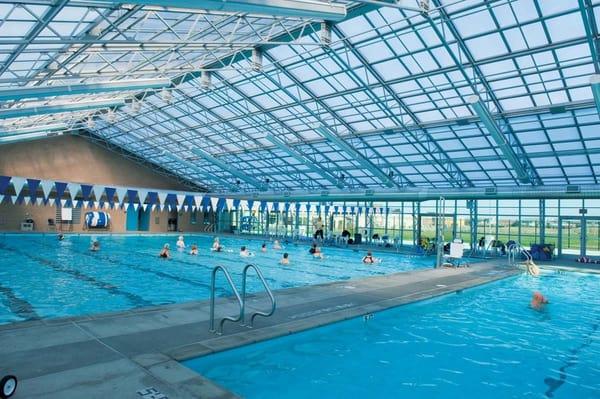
517,249
241,299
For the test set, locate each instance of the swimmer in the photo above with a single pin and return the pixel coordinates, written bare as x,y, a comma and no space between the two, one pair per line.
263,248
538,301
95,247
285,260
61,237
532,268
194,250
165,252
216,244
316,251
180,243
244,252
276,245
369,258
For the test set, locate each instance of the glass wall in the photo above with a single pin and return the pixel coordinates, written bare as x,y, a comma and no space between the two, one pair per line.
561,223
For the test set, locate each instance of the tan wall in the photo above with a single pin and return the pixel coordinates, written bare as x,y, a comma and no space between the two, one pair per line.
76,159
12,215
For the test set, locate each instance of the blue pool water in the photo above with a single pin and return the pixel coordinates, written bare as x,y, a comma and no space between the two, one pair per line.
41,277
481,343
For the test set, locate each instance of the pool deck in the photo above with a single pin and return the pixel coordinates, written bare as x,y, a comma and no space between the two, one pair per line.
135,354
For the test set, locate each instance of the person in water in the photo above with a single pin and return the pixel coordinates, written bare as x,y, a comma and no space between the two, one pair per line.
315,251
285,260
369,259
216,245
180,243
95,247
538,301
263,248
276,245
244,251
165,252
61,237
194,249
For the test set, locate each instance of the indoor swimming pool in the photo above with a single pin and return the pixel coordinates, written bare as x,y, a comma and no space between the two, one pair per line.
42,277
483,343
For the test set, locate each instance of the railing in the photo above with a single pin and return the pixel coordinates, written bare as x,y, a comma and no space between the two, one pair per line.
267,289
516,249
241,300
212,301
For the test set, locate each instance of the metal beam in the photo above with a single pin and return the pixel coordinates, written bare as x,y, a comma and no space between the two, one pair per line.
27,136
57,109
595,83
281,8
231,169
357,156
427,194
494,130
19,93
292,153
199,171
36,129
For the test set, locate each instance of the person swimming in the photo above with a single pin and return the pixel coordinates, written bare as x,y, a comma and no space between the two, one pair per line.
216,246
538,301
369,259
315,251
165,252
276,245
194,250
180,243
285,260
61,237
95,247
245,252
263,248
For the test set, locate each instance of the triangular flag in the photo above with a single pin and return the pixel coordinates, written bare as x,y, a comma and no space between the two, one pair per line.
198,201
144,207
74,189
18,184
26,200
136,206
180,198
121,191
63,202
162,197
142,193
213,203
39,201
229,203
13,199
47,186
153,207
185,208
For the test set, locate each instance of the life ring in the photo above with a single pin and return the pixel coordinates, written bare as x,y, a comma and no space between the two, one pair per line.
8,386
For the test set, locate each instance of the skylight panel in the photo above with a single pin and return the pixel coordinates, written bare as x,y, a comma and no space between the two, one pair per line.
474,23
486,46
557,26
376,51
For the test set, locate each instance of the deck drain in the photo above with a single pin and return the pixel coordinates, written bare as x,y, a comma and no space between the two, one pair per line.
151,393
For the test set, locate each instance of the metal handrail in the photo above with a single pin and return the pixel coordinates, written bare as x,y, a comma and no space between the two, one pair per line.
267,289
212,301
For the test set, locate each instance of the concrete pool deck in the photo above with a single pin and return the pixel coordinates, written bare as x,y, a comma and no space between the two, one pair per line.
135,354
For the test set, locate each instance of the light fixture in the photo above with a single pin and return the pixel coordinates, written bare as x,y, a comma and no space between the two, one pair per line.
136,106
205,79
167,96
257,59
90,123
325,35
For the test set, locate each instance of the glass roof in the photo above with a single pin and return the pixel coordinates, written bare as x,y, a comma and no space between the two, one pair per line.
393,85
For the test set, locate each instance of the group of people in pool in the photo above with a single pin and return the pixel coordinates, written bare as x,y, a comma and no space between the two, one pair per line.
314,250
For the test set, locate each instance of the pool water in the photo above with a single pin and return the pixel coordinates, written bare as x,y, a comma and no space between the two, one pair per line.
482,343
41,277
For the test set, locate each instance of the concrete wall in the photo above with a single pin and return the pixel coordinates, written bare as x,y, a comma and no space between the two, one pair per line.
75,159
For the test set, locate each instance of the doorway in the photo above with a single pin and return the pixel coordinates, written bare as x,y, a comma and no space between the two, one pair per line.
579,235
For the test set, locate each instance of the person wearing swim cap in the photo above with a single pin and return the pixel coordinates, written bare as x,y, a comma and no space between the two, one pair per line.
180,243
165,252
538,301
